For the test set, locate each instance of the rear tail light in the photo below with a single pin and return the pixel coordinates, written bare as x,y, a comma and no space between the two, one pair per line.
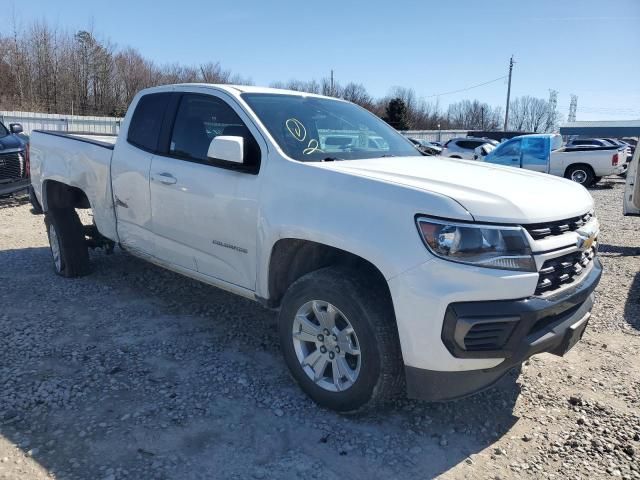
614,159
27,164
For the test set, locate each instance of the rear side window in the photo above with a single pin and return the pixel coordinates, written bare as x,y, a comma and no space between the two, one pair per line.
468,144
144,129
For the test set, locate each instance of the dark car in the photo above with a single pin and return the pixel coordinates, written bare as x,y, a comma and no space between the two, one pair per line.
428,148
14,160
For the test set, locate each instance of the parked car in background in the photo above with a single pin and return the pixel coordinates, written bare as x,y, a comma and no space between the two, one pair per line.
388,271
14,160
425,146
588,142
630,148
483,150
464,147
545,153
602,142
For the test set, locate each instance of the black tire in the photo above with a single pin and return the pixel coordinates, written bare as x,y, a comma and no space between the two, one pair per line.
596,180
582,174
37,209
73,252
370,312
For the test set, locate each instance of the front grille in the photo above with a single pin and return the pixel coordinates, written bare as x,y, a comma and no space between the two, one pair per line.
488,336
560,271
542,230
11,166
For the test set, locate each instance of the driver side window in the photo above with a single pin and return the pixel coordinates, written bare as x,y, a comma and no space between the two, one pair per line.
201,118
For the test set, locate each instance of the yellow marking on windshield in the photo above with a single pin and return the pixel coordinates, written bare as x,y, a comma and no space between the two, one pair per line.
313,147
296,128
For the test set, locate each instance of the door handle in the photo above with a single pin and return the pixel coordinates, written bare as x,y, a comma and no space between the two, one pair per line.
165,178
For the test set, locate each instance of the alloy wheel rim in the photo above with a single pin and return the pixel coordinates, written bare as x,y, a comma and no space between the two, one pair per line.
579,176
326,346
55,248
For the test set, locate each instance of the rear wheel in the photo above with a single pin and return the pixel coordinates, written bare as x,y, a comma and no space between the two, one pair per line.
66,239
582,174
340,340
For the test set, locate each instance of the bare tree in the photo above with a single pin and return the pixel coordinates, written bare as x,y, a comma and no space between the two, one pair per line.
473,115
531,114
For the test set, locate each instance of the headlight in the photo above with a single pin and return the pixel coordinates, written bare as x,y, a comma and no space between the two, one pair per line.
487,246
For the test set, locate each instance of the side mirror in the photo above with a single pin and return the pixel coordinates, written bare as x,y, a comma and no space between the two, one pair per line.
15,128
227,148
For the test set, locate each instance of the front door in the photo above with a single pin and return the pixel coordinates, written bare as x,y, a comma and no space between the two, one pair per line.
536,153
205,213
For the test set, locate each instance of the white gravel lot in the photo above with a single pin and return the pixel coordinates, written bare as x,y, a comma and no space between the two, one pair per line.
136,372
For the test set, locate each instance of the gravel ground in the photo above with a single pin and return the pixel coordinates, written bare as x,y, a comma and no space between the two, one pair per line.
136,372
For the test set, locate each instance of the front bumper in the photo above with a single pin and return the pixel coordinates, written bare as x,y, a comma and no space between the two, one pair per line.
15,186
540,324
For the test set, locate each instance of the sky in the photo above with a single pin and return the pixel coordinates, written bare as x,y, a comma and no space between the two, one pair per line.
584,47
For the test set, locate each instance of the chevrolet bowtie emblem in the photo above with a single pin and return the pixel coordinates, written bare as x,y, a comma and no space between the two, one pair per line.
585,241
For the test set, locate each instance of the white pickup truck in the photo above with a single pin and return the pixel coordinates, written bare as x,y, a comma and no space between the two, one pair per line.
545,153
391,271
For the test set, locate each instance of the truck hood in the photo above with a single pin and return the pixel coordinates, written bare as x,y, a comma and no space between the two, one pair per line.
490,193
9,142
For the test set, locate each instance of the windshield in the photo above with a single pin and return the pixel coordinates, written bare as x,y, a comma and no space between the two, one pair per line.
3,131
314,129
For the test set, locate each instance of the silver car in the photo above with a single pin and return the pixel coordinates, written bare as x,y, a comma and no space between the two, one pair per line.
464,147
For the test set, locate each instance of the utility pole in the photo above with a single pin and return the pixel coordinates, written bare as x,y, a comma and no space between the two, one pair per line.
506,115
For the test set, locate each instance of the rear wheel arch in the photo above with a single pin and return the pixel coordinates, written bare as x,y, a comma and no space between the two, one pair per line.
56,194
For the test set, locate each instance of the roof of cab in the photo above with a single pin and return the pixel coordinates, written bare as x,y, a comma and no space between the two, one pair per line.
238,89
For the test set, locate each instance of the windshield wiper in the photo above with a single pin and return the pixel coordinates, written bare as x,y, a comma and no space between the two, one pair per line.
331,159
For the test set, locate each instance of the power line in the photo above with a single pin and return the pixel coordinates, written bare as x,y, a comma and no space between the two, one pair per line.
468,88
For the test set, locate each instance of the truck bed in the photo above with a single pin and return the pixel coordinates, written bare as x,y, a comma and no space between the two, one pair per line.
100,139
599,158
80,160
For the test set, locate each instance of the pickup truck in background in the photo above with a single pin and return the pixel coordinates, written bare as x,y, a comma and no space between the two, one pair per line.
389,273
545,153
14,160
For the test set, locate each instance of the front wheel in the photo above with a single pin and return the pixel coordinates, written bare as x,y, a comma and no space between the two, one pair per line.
340,340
